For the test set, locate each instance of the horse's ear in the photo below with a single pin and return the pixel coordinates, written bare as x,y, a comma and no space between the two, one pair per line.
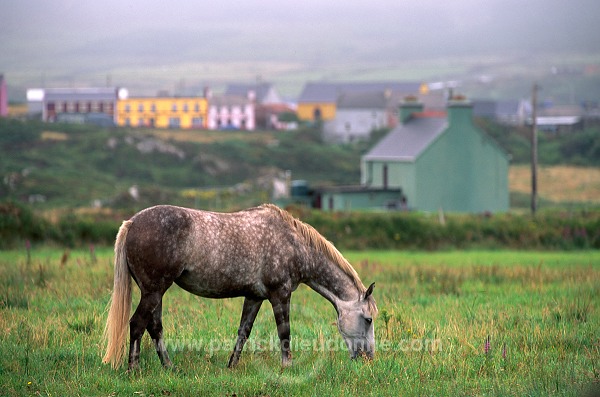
369,290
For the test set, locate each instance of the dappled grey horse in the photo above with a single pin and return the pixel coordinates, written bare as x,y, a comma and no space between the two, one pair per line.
259,253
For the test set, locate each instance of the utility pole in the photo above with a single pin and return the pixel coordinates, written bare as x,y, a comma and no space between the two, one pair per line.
534,142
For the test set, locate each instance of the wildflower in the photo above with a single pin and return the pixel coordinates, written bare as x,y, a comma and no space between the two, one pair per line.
504,351
486,346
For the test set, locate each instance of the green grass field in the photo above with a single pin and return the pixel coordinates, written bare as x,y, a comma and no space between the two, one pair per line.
538,310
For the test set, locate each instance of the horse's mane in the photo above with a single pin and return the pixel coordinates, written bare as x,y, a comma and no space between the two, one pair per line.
314,239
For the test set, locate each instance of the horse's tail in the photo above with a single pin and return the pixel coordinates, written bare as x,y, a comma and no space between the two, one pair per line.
120,306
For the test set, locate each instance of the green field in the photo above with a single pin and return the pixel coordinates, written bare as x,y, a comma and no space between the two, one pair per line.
538,310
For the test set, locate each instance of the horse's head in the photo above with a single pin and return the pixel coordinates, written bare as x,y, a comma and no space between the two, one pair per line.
355,322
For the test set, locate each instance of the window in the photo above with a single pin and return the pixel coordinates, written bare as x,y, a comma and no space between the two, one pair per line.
197,122
196,107
153,107
127,108
185,107
141,107
174,122
174,107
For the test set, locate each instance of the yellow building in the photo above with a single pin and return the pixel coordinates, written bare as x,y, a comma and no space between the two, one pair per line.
163,112
314,111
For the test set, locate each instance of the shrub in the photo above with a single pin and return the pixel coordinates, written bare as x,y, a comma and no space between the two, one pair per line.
18,222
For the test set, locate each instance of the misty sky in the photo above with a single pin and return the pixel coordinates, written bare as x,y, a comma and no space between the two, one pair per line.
98,36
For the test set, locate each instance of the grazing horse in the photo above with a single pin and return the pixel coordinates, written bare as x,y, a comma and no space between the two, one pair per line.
259,253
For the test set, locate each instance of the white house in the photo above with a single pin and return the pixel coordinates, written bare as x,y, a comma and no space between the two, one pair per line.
231,112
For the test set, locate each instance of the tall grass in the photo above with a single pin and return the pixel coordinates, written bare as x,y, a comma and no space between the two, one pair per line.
451,323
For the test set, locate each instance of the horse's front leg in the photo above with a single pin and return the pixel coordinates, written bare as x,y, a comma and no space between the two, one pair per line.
281,310
249,312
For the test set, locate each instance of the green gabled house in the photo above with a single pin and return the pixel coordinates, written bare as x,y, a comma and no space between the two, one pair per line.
439,160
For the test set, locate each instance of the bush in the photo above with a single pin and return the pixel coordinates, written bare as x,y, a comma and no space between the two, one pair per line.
551,230
18,222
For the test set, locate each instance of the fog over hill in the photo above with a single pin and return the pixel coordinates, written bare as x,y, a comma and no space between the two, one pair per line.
81,40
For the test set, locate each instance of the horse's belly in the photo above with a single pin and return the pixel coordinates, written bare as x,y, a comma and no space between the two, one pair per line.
219,285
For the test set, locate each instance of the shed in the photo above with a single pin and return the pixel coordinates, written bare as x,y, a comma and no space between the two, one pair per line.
346,198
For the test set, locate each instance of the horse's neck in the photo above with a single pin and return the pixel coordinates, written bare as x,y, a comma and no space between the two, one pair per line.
331,282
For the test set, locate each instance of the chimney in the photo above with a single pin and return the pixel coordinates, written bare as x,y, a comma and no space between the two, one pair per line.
460,110
409,106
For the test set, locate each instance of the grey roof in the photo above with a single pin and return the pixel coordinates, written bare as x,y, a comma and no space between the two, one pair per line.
80,94
329,92
261,90
362,100
406,142
507,108
228,100
484,108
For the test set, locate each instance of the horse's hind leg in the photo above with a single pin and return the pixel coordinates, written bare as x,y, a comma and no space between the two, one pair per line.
155,329
141,319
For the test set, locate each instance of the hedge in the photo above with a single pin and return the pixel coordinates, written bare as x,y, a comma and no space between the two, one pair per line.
355,230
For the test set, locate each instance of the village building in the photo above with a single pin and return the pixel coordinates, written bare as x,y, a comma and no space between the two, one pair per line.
231,112
269,106
163,112
357,115
77,105
318,100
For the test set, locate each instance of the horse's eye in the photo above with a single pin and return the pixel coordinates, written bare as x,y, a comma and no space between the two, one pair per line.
369,320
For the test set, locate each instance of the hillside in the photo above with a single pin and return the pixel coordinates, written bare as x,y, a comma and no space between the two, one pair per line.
68,165
55,165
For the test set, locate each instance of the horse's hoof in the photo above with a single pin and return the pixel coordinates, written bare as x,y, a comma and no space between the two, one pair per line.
133,369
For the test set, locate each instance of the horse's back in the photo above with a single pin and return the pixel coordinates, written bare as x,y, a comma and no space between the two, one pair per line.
208,253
